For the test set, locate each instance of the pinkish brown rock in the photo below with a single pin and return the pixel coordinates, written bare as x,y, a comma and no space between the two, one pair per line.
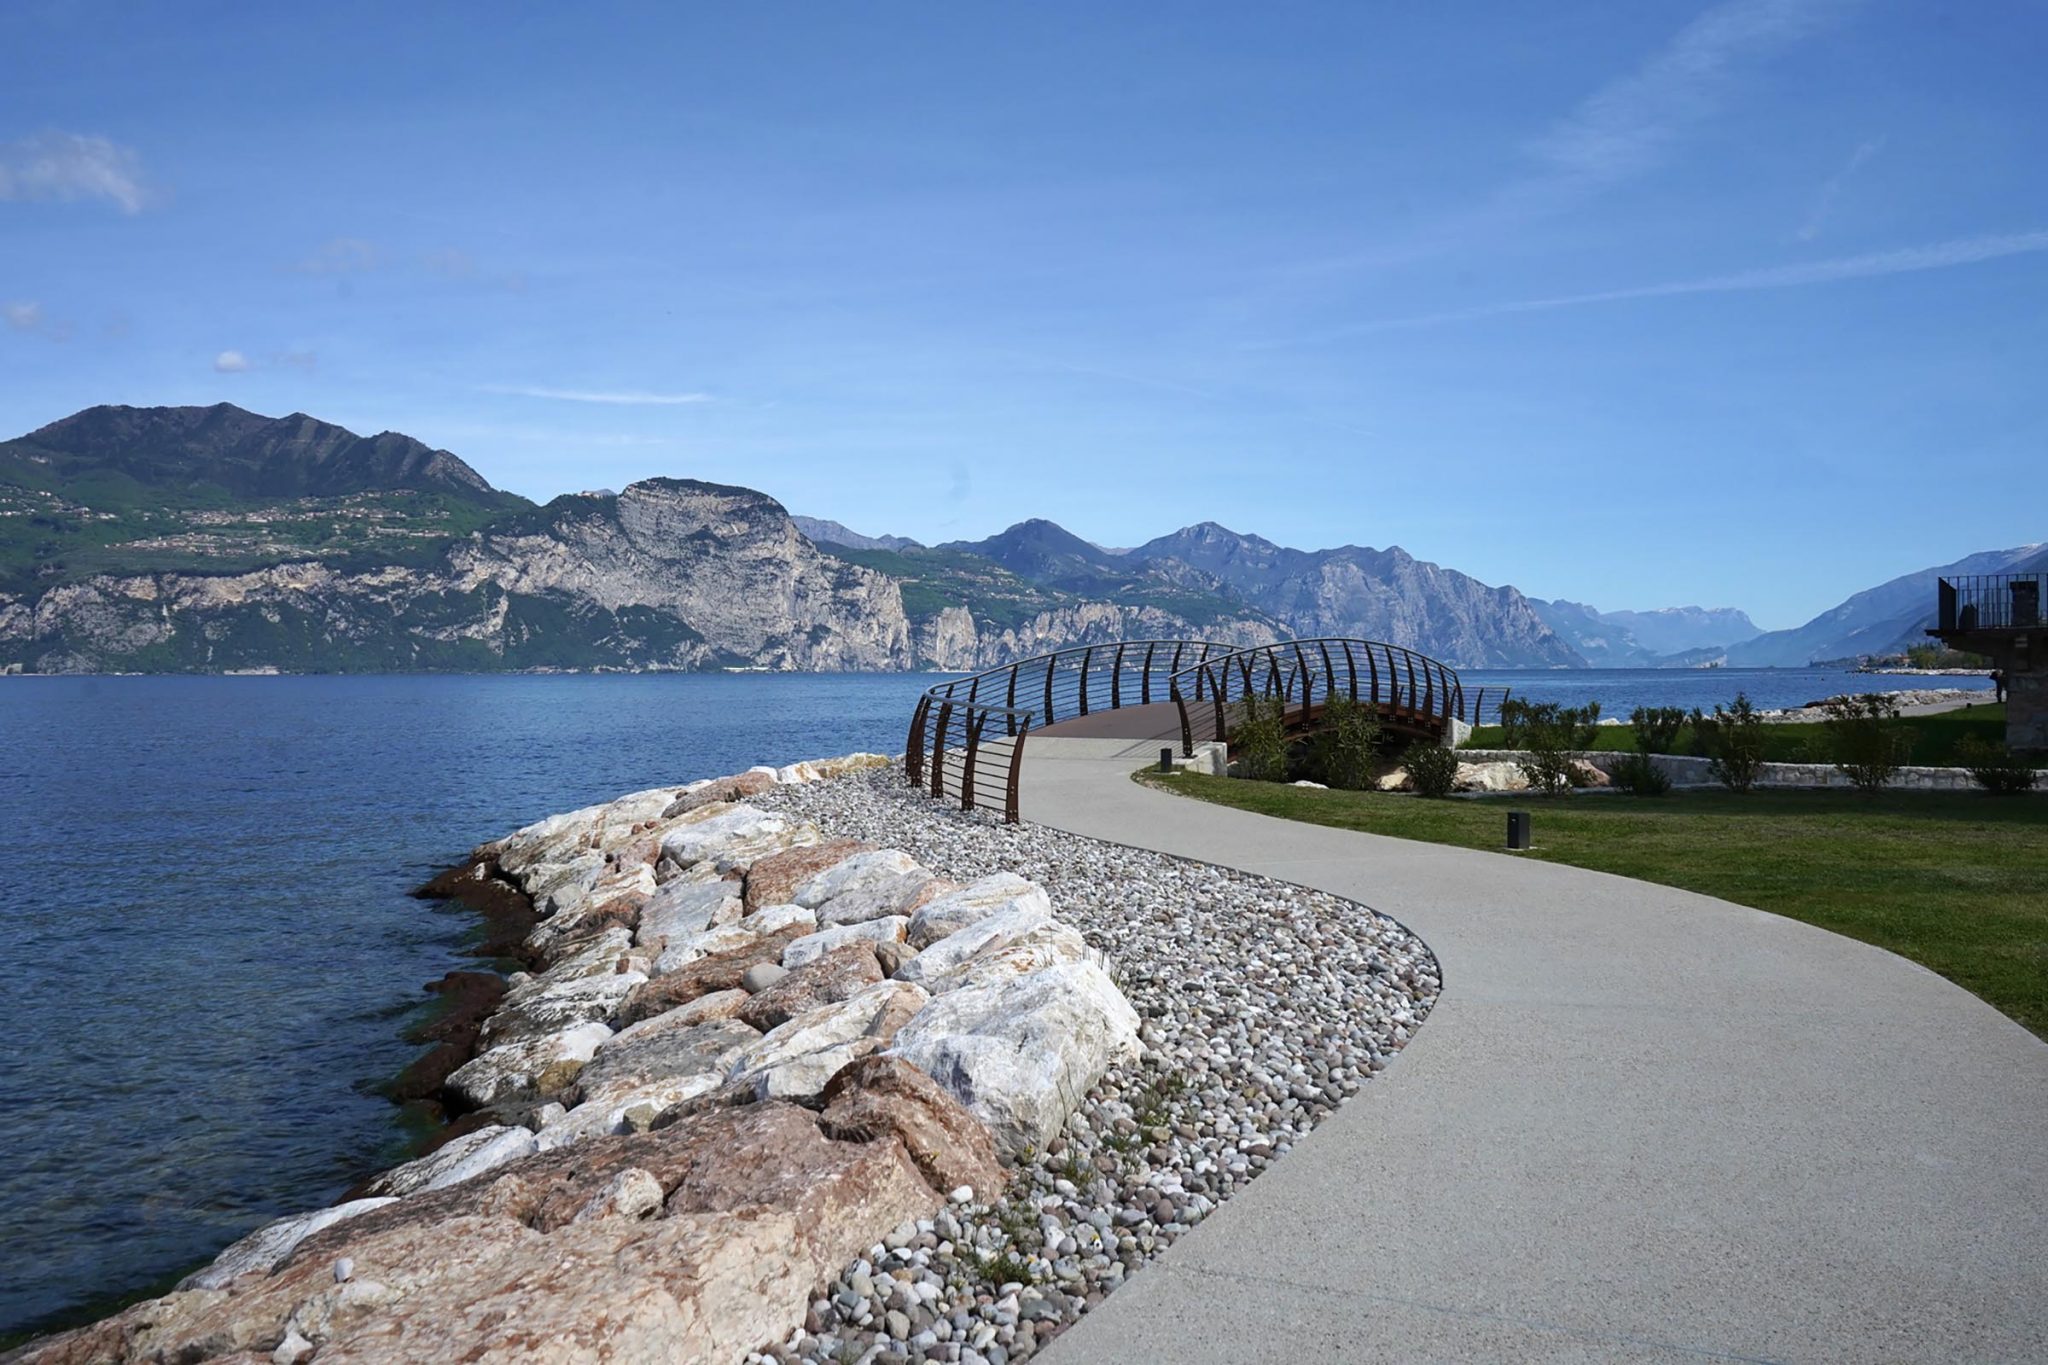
839,974
773,879
878,1096
718,972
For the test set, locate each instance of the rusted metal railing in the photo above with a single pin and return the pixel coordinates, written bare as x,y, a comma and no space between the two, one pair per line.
1412,692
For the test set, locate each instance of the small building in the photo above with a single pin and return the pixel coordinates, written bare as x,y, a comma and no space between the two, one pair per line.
1999,617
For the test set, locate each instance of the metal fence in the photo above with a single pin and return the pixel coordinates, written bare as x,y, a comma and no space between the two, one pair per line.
1412,692
1991,601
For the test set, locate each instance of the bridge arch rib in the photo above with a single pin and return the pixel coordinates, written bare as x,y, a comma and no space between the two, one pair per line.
967,735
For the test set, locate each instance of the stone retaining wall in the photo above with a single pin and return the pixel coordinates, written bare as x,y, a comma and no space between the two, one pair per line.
1496,770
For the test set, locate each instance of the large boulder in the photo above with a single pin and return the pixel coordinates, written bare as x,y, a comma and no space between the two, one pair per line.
1021,1052
538,1065
811,947
878,1096
773,880
845,971
685,908
677,953
665,1047
879,865
954,911
734,839
717,972
983,935
718,791
900,895
456,1161
565,1255
262,1250
1050,944
795,1059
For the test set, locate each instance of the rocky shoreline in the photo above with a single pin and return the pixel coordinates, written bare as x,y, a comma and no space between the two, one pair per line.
804,1065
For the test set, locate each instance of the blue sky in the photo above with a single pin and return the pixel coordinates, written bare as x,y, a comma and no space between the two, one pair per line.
1643,304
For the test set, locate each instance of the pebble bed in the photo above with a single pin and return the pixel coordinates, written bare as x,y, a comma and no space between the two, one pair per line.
1264,1006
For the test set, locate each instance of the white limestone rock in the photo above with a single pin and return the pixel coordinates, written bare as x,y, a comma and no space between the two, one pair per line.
794,1059
1021,1053
773,919
456,1161
537,1065
683,951
264,1249
813,946
874,866
983,935
971,904
1051,944
877,899
683,908
734,837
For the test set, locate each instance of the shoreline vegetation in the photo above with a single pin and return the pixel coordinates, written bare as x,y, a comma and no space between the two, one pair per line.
1950,880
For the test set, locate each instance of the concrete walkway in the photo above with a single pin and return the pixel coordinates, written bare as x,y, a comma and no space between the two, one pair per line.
1641,1124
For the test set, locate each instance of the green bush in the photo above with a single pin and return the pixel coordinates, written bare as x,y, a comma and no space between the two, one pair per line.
1348,745
1258,741
1865,738
1554,735
1657,728
1733,741
1639,775
1996,768
1432,769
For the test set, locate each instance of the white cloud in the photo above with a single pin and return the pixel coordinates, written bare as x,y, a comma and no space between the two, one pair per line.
230,362
627,397
28,316
1627,126
1831,189
1905,260
55,165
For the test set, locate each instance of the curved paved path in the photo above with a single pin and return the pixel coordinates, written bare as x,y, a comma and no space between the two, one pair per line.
1641,1124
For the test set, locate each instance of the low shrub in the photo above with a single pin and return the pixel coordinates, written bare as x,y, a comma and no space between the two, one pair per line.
1640,775
1997,769
1865,739
1657,728
1344,751
1432,769
1733,741
1554,735
1258,741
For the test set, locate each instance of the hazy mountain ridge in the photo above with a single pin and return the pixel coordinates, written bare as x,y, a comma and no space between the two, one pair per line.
1880,620
1670,637
824,532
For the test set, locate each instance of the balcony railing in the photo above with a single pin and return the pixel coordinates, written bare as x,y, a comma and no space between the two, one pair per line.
1990,601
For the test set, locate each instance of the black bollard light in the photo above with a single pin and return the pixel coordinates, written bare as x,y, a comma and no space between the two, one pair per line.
1166,760
1518,829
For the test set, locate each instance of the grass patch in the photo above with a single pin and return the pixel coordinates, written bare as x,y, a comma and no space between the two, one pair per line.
1935,737
1956,881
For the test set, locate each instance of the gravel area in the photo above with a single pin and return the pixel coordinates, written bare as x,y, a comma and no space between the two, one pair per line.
1265,1006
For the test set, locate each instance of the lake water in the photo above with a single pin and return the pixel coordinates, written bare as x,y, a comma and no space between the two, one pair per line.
210,948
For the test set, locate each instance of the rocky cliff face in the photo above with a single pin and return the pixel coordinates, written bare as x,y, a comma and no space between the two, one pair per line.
669,574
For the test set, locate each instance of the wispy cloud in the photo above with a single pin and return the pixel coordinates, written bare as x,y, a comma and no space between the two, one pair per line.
1831,189
28,316
620,397
1904,261
230,362
1629,126
63,166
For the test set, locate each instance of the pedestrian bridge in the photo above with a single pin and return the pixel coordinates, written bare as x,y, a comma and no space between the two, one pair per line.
967,736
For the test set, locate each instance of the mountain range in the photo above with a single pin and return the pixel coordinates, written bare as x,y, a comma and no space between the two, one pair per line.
215,539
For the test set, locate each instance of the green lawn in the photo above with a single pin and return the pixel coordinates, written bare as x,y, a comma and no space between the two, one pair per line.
1955,881
1934,737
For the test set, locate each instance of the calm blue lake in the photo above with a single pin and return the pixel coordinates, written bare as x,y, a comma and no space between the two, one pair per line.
210,948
